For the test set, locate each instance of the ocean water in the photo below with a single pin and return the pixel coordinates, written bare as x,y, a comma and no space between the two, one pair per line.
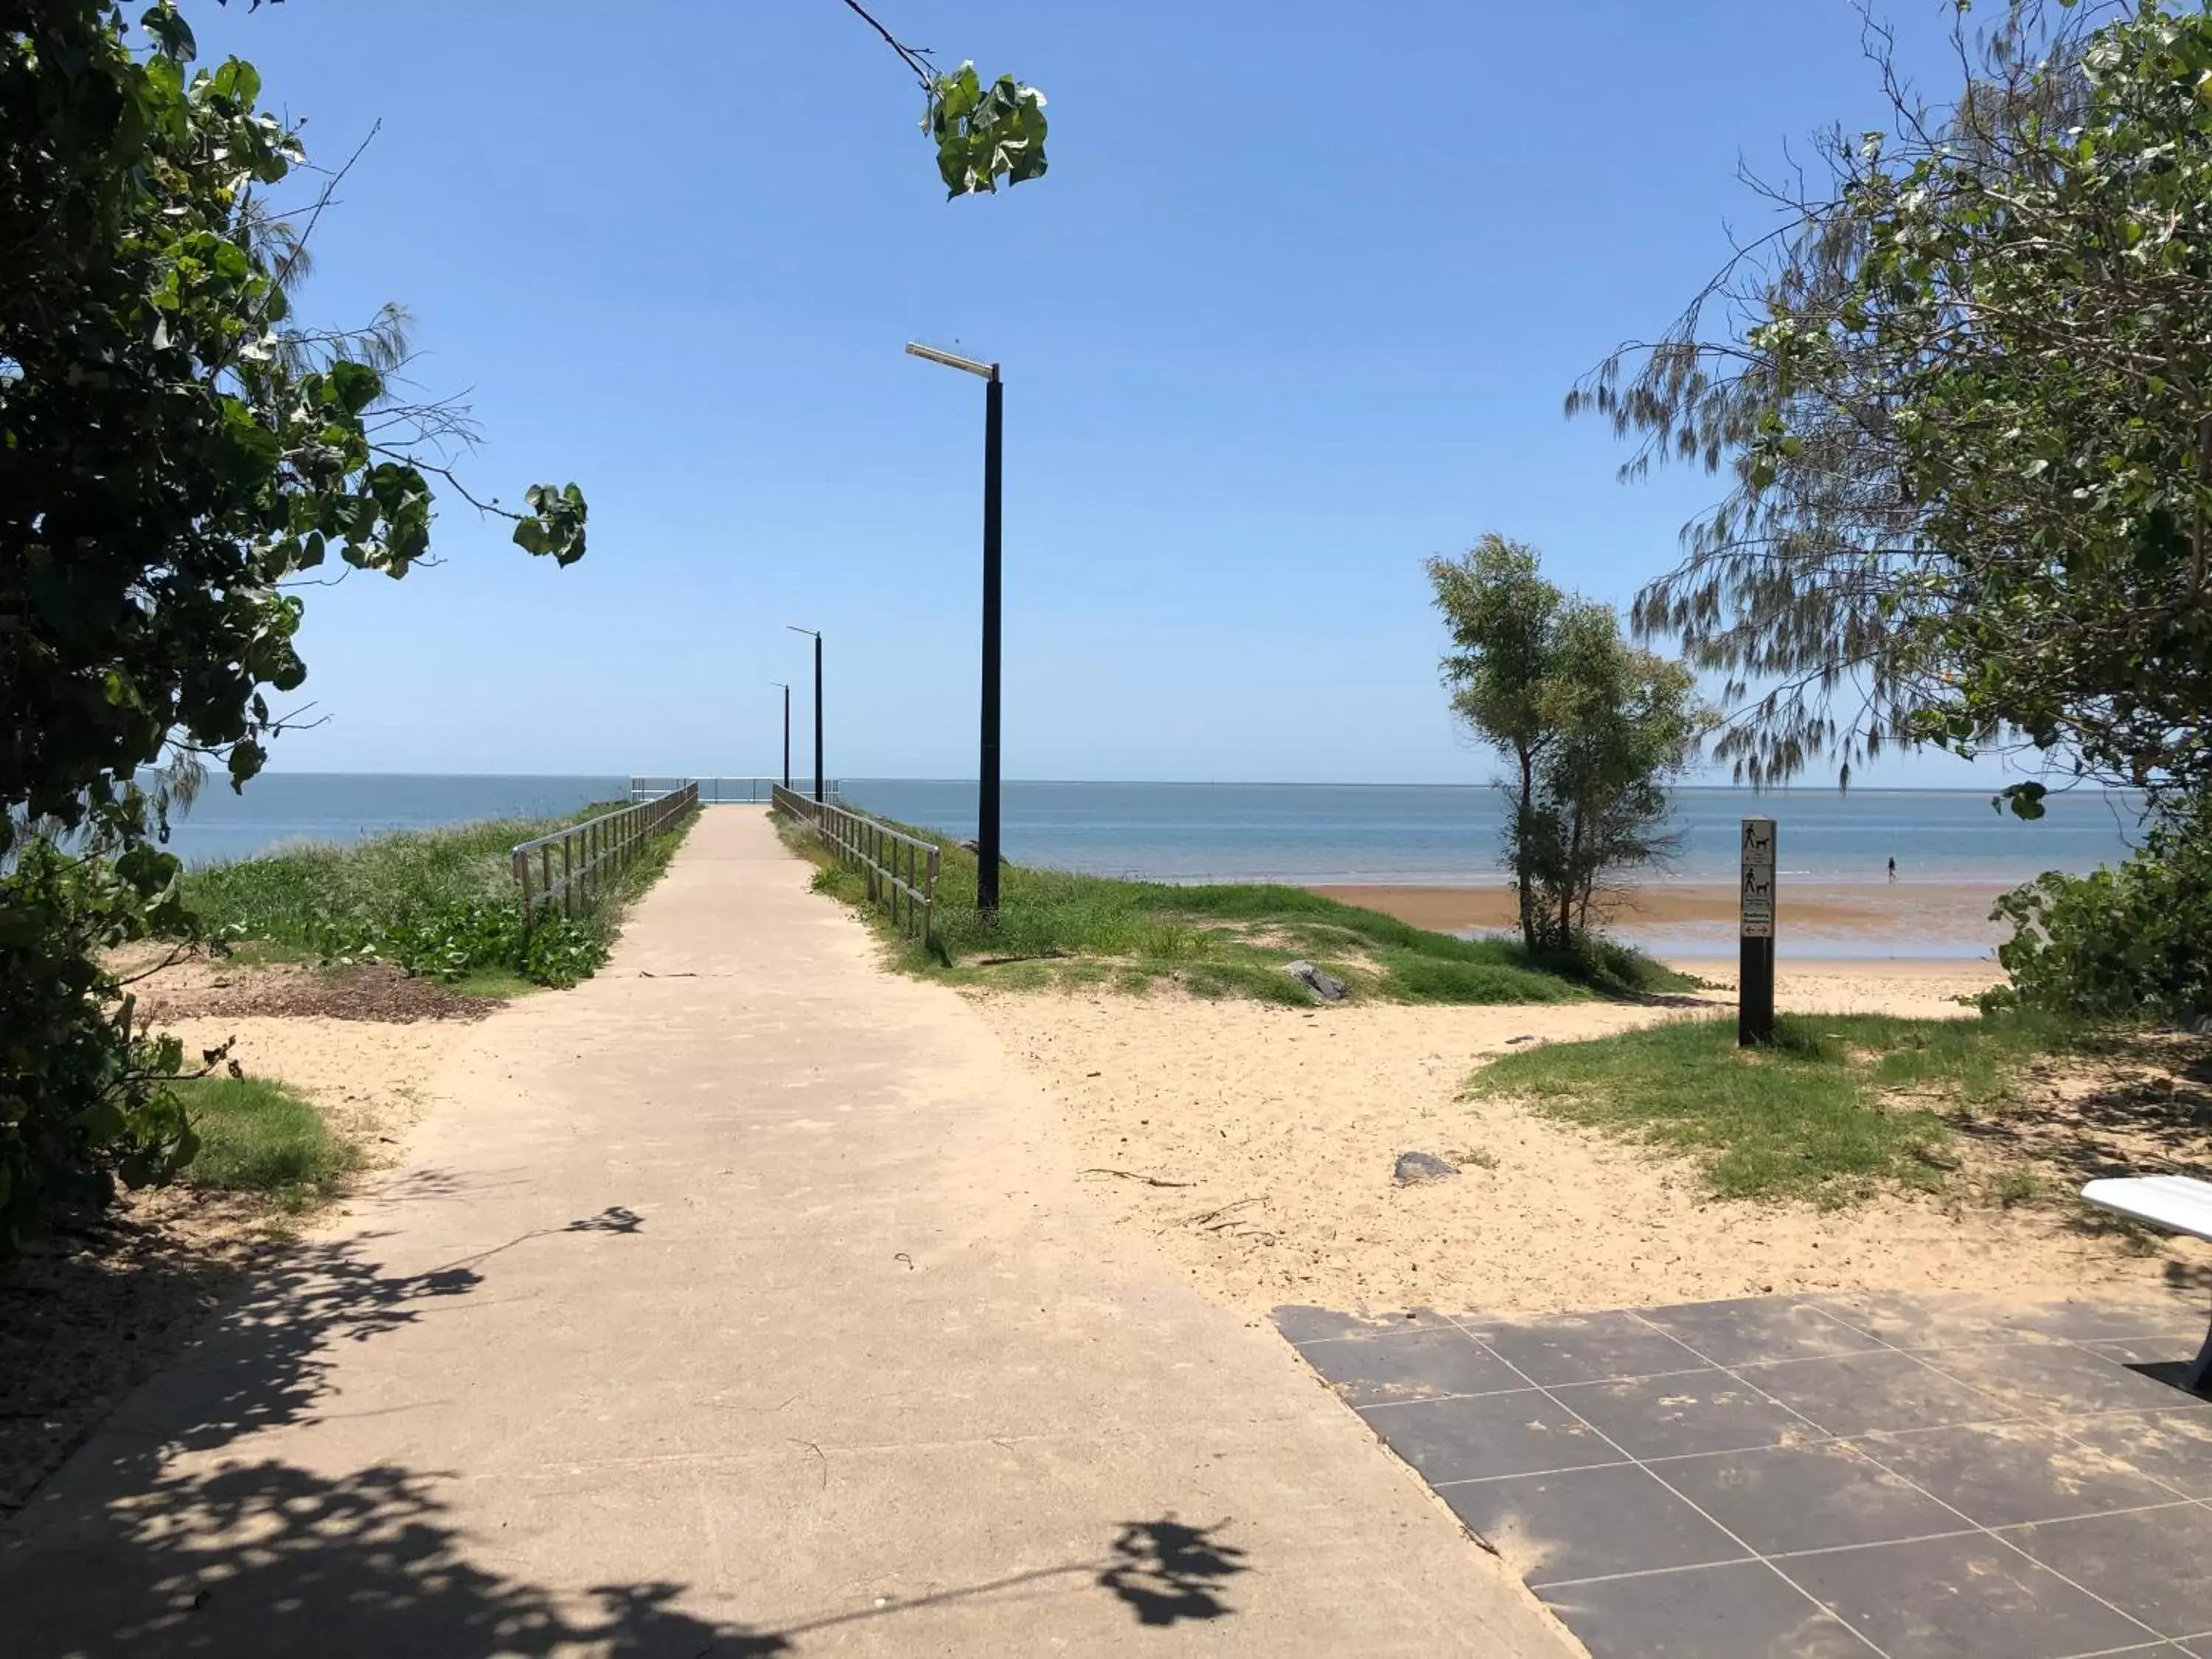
1314,833
1318,834
1447,836
279,808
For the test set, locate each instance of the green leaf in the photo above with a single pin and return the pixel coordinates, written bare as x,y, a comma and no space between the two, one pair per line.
237,81
982,136
356,385
251,448
170,32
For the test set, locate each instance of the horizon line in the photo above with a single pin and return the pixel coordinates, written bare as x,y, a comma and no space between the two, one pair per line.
1222,783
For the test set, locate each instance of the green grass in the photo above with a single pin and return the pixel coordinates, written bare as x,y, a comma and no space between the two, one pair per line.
441,902
1224,940
494,984
306,898
1838,1107
259,1136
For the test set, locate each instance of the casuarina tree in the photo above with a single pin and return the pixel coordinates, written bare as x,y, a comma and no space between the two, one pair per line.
1962,396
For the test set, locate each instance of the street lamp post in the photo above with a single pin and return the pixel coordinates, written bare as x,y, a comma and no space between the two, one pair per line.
817,633
987,788
786,689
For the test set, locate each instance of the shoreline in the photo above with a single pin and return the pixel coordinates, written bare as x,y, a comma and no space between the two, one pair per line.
1937,921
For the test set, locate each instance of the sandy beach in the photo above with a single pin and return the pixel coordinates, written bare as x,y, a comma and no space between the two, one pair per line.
1929,917
1255,1144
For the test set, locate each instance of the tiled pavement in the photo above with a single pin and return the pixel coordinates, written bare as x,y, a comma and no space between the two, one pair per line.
1927,1478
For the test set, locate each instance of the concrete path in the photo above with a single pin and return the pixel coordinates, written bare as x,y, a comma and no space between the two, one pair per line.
743,1301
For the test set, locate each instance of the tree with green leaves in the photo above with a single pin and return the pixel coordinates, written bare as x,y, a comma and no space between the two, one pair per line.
1594,728
1962,395
1504,621
176,452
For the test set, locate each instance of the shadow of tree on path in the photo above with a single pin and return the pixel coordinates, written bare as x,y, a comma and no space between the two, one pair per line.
1168,1571
1164,1570
146,1546
140,1547
266,1558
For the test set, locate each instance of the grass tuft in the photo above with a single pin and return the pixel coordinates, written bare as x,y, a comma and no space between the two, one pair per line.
1838,1107
256,1136
1230,939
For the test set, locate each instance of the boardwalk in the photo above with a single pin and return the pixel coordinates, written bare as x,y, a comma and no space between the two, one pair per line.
741,1301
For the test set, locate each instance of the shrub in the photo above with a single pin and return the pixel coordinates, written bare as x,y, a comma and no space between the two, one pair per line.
456,939
562,950
2128,943
84,1098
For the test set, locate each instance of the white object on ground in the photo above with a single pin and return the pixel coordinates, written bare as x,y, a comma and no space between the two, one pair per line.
2180,1203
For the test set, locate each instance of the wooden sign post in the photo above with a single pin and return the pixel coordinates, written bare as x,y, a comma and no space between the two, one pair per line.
1754,996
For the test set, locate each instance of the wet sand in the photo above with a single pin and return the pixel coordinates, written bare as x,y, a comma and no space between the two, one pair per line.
1673,918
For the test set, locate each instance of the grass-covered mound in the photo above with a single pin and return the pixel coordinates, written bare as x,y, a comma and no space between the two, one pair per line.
1226,939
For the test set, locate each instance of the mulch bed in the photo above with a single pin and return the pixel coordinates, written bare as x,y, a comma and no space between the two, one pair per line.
374,991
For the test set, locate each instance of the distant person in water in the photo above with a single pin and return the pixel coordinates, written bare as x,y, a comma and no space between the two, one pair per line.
1892,869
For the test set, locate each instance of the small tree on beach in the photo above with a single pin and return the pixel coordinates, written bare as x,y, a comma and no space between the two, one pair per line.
1503,618
1595,729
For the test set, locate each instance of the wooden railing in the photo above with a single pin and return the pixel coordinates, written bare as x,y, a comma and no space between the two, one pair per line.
572,866
902,869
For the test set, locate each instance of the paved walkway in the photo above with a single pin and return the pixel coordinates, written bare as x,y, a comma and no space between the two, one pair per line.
1825,1477
741,1301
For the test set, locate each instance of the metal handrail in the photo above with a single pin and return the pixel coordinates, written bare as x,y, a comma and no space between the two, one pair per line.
739,791
877,851
592,851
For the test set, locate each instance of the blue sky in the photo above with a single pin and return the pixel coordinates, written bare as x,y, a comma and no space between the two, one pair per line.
1294,309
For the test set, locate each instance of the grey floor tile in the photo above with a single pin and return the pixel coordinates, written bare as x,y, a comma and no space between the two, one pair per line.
2000,1474
1859,1393
1586,1524
2174,1447
1421,1365
1489,1435
1942,1320
1960,1598
2057,1379
1671,1416
1587,1347
2168,1351
1806,1497
2154,1564
1738,1612
1757,1328
1303,1324
2084,1321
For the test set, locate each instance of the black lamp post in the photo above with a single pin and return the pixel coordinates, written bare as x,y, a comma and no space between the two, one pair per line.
987,788
786,689
817,633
